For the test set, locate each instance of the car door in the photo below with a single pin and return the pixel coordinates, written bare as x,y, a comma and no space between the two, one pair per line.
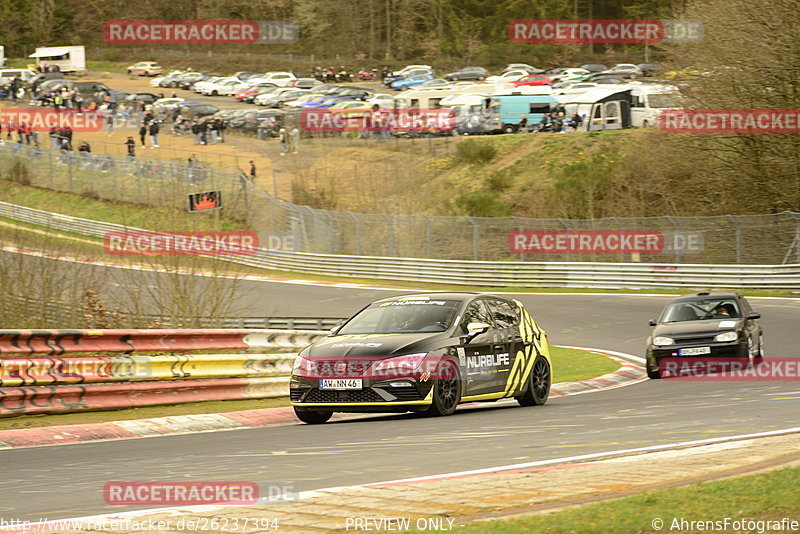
508,341
476,357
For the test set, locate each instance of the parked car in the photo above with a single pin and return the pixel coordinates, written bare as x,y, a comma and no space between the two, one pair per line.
508,76
626,70
650,69
146,98
194,110
145,68
245,76
251,89
305,83
521,66
277,100
594,67
381,100
468,73
411,70
225,86
436,82
405,83
281,79
350,108
36,81
533,80
188,81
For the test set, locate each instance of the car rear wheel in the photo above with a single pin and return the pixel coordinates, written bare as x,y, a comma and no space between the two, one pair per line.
312,417
404,88
509,129
654,375
761,353
446,390
538,389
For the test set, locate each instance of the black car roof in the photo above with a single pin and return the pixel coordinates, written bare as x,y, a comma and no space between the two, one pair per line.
709,295
456,295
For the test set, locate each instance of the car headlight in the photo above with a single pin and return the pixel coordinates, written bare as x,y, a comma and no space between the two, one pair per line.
400,364
726,336
661,340
304,365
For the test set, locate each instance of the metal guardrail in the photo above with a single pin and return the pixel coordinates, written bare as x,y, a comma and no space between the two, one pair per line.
484,273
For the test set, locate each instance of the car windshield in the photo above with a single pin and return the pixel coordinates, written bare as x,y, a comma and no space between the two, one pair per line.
699,310
403,317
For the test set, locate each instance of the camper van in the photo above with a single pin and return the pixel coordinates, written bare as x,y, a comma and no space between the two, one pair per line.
502,113
649,101
433,97
602,108
66,58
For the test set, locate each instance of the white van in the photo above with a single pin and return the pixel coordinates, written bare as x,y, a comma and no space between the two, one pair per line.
432,97
649,101
66,58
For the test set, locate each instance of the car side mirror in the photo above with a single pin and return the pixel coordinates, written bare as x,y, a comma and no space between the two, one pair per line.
653,322
754,315
475,329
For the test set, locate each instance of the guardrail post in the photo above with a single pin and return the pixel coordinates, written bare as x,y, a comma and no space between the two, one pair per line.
520,228
738,226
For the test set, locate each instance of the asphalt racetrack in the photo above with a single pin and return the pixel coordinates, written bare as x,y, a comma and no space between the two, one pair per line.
67,481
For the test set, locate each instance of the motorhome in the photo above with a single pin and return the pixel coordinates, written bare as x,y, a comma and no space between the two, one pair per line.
433,97
66,58
649,101
503,113
602,108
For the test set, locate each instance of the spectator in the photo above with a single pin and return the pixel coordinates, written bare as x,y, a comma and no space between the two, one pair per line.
68,136
283,137
154,128
78,101
203,132
13,87
142,133
53,136
295,133
523,123
197,133
575,121
212,128
191,168
222,127
252,172
131,145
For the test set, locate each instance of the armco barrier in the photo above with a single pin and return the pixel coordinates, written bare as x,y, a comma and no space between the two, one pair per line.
55,371
486,273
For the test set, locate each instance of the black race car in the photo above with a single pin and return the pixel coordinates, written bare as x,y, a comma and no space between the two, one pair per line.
705,325
426,352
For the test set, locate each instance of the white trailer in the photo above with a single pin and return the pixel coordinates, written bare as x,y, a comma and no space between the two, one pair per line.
66,58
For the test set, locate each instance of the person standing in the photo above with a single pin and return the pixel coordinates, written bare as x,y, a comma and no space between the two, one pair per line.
283,137
53,136
154,129
13,87
196,132
131,145
142,133
295,133
204,132
252,172
212,126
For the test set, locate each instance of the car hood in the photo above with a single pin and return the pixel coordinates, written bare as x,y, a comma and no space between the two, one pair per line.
373,345
696,327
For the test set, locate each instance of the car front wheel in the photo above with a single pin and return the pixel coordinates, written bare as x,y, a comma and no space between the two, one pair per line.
446,390
538,388
312,417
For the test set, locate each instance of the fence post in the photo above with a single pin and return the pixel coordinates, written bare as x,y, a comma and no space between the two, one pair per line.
358,232
475,238
619,227
674,241
738,238
428,236
521,229
566,225
391,234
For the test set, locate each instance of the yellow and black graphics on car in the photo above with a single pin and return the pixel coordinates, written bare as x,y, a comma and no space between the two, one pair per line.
534,345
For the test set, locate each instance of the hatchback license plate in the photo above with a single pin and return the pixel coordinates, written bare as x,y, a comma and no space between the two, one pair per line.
695,351
340,383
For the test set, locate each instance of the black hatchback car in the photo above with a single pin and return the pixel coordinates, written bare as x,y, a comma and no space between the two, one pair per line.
707,325
467,73
426,352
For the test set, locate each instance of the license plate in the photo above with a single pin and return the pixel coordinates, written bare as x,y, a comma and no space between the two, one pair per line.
694,351
340,383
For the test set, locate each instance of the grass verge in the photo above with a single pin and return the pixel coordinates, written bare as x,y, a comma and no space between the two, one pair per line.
757,498
570,365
